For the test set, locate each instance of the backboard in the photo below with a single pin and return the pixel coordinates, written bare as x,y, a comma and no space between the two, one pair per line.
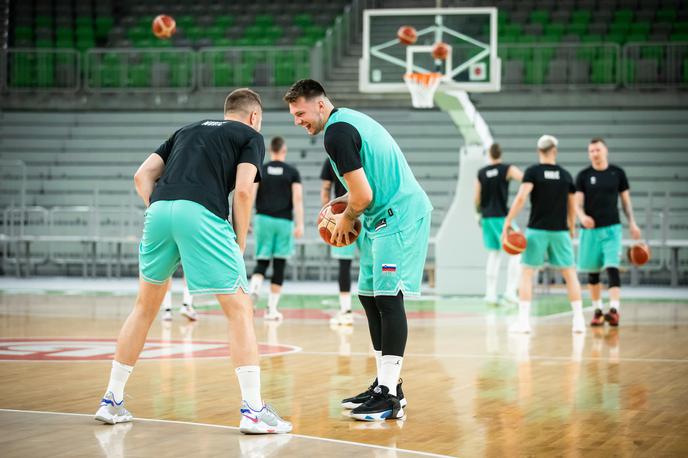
472,64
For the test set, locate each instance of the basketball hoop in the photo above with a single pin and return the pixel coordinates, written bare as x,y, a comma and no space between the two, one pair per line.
422,87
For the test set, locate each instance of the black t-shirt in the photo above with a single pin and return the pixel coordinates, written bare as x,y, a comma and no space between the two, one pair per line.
274,193
328,174
343,144
201,161
601,189
552,185
494,190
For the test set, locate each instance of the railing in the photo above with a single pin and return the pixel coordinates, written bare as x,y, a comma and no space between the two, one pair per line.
30,69
655,65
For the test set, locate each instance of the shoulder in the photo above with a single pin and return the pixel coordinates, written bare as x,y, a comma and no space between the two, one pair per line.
482,170
532,168
566,173
340,128
616,168
585,171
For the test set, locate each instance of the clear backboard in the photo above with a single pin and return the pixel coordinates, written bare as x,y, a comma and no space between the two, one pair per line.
472,64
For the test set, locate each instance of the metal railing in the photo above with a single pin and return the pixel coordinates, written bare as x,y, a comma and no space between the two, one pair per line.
30,69
654,65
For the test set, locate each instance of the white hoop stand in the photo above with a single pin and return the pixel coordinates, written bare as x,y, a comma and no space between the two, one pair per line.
422,87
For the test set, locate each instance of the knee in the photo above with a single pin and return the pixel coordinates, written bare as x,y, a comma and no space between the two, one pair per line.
278,266
614,277
594,278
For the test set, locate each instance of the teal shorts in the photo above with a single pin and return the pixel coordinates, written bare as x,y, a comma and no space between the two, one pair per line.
599,248
555,246
176,230
274,237
346,252
395,262
492,232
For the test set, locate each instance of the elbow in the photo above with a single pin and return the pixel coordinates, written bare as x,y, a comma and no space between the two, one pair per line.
242,193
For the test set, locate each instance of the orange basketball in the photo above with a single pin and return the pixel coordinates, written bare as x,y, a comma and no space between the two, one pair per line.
440,50
407,35
515,242
638,254
326,223
164,26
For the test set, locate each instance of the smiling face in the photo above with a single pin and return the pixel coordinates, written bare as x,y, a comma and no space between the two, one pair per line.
311,114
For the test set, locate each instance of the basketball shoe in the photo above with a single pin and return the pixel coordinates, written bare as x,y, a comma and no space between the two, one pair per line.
189,312
612,317
520,327
578,324
276,316
167,315
263,421
360,399
111,411
342,319
380,406
597,319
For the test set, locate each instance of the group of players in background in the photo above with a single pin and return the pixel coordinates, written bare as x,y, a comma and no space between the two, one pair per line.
185,185
556,201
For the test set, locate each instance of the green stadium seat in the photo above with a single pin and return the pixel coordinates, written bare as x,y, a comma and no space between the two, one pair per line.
535,72
194,33
640,27
540,16
139,75
305,41
577,28
44,21
618,38
602,71
666,15
45,70
285,73
623,16
44,43
21,69
679,36
512,29
184,21
303,20
224,42
144,43
23,32
619,28
225,21
635,37
264,20
86,21
592,38
581,17
652,52
502,18
587,53
64,43
680,27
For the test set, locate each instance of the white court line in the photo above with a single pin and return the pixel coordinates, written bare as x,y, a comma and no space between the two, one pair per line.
235,428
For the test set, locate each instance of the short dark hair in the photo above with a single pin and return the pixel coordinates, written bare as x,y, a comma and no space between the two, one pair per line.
276,144
495,151
307,89
598,140
244,100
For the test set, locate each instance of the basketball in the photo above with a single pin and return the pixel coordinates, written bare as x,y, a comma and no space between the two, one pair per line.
164,26
407,35
515,242
326,223
440,50
638,254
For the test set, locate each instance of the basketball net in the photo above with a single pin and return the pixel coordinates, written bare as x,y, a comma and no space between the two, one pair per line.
422,87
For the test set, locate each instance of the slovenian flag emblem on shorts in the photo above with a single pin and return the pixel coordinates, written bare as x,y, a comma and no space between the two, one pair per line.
389,267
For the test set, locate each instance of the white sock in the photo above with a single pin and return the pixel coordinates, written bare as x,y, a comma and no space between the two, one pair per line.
188,298
167,301
378,362
523,311
344,302
390,369
255,284
491,273
249,382
118,378
597,304
615,304
577,307
273,300
513,275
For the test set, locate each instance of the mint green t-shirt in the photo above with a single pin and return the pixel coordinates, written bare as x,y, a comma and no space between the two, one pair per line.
354,140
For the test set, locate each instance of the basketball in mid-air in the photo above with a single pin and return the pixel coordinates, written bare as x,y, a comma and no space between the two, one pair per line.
514,243
407,35
638,254
440,50
327,223
164,26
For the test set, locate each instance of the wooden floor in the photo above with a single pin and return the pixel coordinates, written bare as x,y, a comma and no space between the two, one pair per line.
473,390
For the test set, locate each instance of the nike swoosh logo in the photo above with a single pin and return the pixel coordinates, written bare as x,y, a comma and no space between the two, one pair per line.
253,419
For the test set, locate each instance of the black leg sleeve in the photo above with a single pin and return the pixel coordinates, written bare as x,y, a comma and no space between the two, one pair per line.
344,275
394,326
374,320
261,267
278,265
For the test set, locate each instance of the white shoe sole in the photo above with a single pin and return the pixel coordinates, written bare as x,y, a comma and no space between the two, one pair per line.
248,427
190,316
353,405
381,416
112,419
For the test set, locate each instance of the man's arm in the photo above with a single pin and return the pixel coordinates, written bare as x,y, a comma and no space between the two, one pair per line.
571,214
146,176
587,221
243,201
360,196
514,173
628,211
477,189
517,205
325,192
297,202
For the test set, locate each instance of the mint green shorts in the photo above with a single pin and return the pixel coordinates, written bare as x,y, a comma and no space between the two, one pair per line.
555,246
176,230
395,262
492,232
599,248
274,237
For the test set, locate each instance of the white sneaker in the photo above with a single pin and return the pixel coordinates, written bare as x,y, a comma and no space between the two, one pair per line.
189,312
263,421
520,327
343,319
578,325
167,315
510,298
277,316
111,411
490,299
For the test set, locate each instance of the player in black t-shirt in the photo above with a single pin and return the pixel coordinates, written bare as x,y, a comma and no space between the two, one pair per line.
186,184
491,194
598,189
550,230
344,254
279,218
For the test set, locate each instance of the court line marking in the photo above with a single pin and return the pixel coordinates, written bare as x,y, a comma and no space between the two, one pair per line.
235,428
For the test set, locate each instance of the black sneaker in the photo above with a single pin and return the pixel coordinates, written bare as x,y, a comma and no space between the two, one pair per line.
359,399
380,406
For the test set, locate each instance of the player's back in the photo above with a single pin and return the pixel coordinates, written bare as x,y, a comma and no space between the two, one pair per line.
201,161
494,190
275,196
398,199
552,185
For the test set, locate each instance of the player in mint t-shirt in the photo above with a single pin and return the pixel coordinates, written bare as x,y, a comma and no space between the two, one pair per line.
396,217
